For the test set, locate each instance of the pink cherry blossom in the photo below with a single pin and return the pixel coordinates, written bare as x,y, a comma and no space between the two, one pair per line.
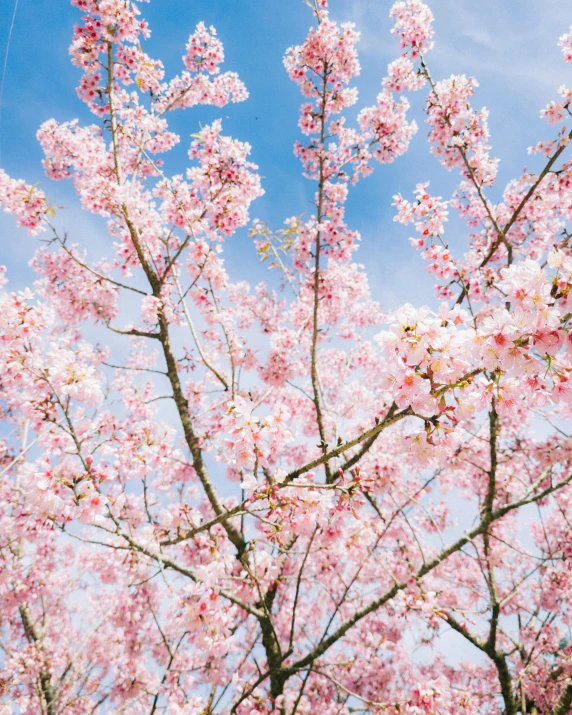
271,499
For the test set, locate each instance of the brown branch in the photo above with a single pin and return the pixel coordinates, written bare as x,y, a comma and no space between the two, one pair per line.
48,691
564,704
390,418
315,328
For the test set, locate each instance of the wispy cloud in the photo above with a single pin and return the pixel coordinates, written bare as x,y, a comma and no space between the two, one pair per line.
514,41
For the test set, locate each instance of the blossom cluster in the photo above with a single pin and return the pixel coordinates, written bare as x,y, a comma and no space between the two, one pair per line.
27,203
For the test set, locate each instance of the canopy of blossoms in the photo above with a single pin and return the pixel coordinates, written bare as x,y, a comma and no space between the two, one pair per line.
281,496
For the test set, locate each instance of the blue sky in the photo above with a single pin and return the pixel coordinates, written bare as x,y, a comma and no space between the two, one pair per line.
509,45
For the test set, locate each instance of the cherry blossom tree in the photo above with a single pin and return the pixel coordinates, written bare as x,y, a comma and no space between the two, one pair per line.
282,495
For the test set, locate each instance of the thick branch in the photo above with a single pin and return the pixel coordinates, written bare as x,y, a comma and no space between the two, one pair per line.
315,323
48,691
564,704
